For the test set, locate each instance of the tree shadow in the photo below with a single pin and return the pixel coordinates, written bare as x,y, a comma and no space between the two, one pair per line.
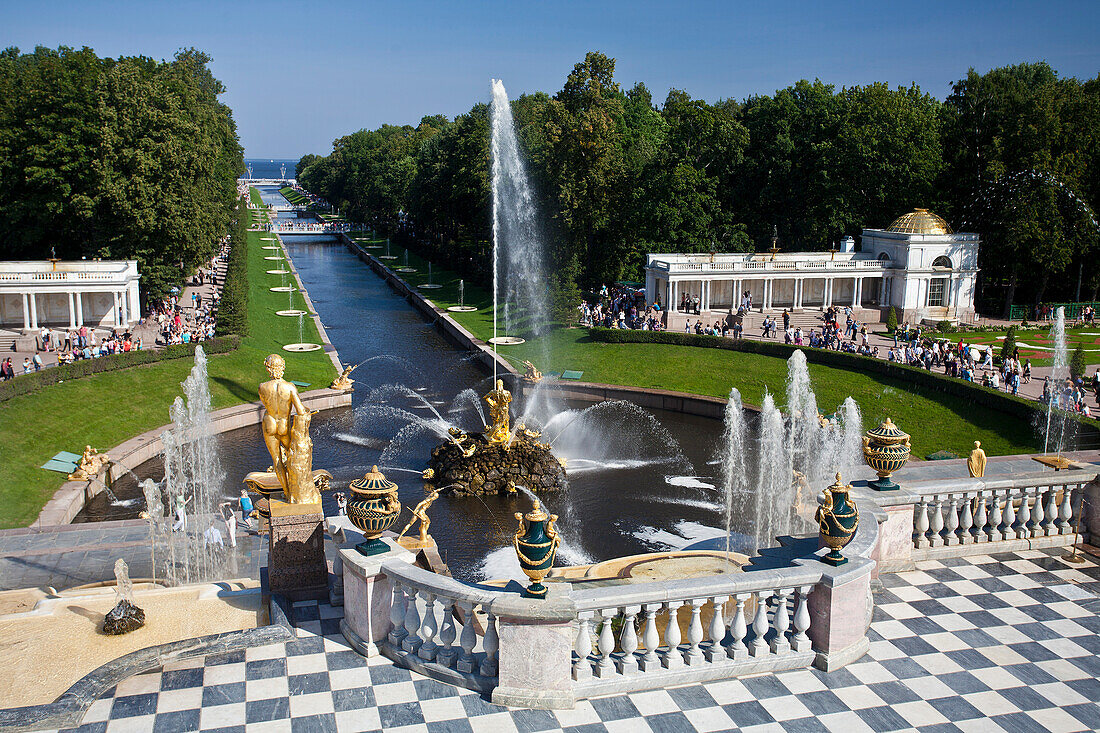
236,389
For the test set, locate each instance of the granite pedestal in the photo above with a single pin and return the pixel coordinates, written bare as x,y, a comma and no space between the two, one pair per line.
296,558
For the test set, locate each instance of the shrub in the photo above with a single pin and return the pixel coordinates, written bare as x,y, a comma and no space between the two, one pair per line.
891,320
1077,363
1009,345
945,327
233,309
27,383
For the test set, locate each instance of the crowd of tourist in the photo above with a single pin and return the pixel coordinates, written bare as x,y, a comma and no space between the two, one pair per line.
196,318
621,307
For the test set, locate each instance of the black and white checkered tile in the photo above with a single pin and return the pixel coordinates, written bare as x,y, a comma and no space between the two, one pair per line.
1008,642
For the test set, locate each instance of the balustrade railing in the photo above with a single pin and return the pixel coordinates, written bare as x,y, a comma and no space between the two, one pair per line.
772,266
1032,508
626,633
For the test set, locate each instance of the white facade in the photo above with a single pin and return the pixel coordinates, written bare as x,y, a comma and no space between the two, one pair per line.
69,294
925,275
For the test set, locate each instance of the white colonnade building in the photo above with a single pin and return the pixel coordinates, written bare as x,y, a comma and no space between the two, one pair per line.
94,293
918,266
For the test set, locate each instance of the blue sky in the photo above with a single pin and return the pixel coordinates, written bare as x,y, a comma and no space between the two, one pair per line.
304,73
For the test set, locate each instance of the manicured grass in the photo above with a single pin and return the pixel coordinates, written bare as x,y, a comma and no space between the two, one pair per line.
936,421
106,409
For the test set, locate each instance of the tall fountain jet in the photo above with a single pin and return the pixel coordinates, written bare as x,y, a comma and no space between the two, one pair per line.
519,272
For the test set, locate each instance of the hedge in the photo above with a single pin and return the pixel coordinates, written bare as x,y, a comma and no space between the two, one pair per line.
1016,406
233,307
27,383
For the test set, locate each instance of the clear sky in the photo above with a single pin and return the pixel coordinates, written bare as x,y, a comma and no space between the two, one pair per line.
300,74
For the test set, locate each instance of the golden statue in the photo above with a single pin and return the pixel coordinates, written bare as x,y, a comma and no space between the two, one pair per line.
290,447
498,401
976,462
91,463
532,374
421,513
342,382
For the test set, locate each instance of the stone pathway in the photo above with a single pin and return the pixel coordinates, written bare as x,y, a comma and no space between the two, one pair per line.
1006,642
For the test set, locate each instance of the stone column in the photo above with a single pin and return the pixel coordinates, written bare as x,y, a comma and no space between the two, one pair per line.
34,312
124,301
72,312
826,292
672,303
79,297
26,313
855,292
135,303
535,653
840,614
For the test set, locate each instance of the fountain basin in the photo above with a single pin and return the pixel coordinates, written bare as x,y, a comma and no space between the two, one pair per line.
273,247
387,257
461,309
428,286
406,269
300,347
290,312
274,257
507,340
278,272
283,289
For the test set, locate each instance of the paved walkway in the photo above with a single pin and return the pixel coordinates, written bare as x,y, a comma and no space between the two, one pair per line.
1007,642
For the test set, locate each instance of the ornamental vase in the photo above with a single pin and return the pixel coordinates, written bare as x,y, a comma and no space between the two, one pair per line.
373,508
886,449
536,542
837,519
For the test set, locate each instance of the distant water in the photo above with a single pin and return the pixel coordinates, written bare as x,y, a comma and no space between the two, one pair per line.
268,168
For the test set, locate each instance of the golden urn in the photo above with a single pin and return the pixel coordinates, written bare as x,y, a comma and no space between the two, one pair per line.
373,509
886,449
536,542
837,519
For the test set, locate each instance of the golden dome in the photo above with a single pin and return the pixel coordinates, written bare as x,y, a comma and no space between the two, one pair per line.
920,221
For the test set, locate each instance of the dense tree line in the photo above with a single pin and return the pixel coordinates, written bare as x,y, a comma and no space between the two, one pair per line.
116,158
1013,154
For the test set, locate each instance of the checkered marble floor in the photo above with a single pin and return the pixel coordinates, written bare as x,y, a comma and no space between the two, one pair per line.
1008,642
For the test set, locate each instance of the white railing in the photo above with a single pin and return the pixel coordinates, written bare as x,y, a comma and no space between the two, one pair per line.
635,636
1040,509
772,266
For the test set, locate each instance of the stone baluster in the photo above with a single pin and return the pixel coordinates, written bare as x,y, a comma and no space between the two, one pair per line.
966,520
759,646
397,615
467,639
936,540
1065,511
447,653
780,643
412,624
738,629
490,643
951,528
1050,526
605,643
801,641
920,523
1023,529
996,531
981,533
694,656
672,658
651,638
1037,513
582,667
717,631
628,641
1010,517
428,628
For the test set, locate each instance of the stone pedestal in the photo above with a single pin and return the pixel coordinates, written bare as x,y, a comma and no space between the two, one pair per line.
840,613
534,659
296,565
367,593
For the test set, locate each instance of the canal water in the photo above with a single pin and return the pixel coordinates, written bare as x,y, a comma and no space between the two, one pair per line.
639,480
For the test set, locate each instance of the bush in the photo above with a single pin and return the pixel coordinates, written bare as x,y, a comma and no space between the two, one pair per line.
1009,345
945,327
27,383
891,320
1077,363
233,309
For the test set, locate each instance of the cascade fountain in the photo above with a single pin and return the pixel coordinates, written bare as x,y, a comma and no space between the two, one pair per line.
430,285
405,264
461,307
519,272
184,508
1057,425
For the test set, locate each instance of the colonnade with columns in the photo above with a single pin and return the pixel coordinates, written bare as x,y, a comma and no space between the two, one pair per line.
797,292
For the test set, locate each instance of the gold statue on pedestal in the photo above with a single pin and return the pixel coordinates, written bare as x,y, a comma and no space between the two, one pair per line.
498,401
91,463
532,374
343,382
288,443
975,464
420,513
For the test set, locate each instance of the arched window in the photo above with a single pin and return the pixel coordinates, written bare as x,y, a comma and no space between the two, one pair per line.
883,256
942,262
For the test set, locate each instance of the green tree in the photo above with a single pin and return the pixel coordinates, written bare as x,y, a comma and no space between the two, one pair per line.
1008,348
892,320
1077,362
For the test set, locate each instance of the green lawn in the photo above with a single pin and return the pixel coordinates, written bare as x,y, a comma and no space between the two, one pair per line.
935,421
106,409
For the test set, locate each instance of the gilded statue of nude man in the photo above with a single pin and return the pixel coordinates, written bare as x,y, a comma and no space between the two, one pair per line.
278,396
498,401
